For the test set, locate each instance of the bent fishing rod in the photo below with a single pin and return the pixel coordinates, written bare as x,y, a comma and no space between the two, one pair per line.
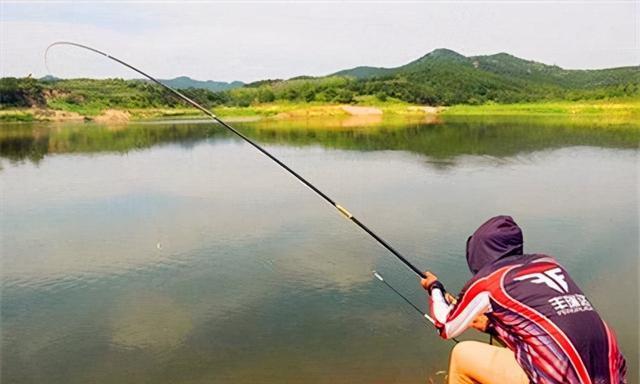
212,116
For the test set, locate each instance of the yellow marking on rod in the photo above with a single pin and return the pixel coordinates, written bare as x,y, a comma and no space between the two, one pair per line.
344,211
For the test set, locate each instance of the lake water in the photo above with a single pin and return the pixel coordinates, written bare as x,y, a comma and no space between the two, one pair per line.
172,252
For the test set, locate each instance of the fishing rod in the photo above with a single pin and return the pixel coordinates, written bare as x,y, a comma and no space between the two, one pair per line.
207,112
424,315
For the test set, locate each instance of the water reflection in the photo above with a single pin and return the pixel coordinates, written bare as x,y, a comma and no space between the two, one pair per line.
441,141
160,323
255,279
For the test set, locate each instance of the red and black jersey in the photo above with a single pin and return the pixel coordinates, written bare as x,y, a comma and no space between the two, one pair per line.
535,308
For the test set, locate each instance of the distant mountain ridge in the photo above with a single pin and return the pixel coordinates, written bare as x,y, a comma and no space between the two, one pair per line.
442,63
183,82
441,77
500,64
446,77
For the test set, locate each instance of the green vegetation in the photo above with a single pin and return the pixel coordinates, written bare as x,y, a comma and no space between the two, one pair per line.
443,141
184,82
444,77
90,97
25,92
16,115
440,78
623,108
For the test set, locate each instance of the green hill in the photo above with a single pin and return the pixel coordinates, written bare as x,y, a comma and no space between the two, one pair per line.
503,65
447,77
441,77
365,72
184,82
438,56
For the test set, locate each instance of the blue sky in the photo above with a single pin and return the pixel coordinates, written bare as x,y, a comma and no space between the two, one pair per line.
256,40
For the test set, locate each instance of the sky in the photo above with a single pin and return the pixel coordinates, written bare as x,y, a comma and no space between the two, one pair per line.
256,40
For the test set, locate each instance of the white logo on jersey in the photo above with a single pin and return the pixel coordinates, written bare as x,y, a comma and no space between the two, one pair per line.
553,278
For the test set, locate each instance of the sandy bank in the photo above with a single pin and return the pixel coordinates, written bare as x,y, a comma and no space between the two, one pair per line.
113,116
361,111
55,115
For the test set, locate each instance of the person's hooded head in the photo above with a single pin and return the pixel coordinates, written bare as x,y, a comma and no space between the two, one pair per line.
497,238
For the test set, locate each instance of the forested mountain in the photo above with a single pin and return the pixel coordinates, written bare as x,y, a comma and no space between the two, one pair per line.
441,77
503,65
445,76
184,82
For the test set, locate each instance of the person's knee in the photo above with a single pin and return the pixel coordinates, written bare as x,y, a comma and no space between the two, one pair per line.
461,361
464,351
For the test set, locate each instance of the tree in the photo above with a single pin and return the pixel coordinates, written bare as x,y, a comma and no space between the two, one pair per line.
23,92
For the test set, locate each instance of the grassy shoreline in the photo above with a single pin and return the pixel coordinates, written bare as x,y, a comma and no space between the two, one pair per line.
620,107
621,110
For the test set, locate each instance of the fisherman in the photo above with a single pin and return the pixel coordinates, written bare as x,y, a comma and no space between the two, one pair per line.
530,303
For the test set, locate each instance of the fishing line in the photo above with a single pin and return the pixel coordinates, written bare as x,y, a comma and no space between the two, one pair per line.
204,110
423,314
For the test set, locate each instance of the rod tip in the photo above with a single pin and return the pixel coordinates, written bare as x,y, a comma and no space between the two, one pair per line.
377,276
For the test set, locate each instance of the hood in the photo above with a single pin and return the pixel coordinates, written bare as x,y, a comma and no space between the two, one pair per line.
498,237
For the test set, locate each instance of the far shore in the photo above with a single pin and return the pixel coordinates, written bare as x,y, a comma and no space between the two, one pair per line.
621,110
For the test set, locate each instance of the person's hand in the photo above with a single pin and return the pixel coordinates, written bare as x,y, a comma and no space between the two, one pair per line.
481,322
450,298
428,280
